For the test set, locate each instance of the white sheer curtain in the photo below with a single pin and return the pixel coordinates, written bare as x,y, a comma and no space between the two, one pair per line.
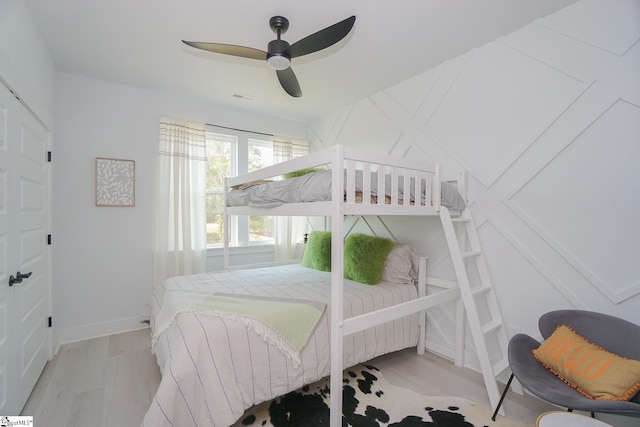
289,231
180,243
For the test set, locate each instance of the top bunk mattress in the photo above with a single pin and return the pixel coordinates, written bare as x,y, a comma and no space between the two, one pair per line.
316,186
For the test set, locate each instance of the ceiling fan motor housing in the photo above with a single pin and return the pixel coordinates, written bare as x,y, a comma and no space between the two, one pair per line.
277,57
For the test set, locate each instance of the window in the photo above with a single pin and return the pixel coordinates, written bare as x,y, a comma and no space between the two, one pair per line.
233,154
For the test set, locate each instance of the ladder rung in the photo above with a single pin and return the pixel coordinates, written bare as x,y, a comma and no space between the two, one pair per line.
470,254
460,219
491,326
500,365
480,290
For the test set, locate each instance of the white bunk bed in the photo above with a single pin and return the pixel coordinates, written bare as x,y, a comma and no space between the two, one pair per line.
355,176
213,368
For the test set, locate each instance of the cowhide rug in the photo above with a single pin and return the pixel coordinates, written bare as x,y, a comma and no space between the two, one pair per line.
369,401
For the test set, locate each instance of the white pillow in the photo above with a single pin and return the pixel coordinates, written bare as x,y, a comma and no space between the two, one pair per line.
401,265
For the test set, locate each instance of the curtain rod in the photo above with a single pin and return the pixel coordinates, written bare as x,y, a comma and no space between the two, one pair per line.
240,130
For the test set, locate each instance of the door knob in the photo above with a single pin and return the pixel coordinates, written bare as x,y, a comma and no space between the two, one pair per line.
19,277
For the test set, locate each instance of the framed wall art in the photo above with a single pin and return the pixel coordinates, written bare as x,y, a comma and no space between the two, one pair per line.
115,182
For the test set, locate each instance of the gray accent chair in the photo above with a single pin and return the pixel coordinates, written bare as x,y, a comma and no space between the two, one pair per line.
611,333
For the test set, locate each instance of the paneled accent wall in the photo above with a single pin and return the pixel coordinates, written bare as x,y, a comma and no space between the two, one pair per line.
547,123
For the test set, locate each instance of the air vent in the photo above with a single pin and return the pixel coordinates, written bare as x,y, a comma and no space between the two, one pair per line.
242,96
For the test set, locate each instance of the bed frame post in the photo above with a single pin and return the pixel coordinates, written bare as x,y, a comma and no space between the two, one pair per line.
337,283
225,226
462,184
436,190
422,292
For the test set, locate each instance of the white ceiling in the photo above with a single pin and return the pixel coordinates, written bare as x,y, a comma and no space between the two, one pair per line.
138,43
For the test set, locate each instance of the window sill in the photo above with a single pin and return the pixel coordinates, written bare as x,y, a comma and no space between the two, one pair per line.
245,249
240,255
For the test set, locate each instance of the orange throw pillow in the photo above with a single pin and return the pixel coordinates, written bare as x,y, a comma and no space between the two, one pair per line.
590,369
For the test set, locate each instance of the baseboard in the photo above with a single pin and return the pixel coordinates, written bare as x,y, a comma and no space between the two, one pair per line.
96,330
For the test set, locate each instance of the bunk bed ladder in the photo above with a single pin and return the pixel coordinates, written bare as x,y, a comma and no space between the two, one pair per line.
480,303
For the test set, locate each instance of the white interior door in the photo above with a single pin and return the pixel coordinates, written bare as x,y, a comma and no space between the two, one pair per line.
7,357
24,218
31,226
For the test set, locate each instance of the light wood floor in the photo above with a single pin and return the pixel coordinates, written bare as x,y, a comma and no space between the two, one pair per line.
107,381
110,381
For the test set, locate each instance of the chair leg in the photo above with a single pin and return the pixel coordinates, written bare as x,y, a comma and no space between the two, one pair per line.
504,394
593,415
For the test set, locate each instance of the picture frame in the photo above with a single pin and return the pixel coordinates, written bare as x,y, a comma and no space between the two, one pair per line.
115,182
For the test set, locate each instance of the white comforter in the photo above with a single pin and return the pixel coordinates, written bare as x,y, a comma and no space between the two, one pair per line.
213,369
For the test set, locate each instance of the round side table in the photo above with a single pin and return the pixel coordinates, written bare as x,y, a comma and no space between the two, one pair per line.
567,419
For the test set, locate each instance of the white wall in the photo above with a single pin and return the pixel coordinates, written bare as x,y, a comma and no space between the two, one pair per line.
547,122
25,63
103,257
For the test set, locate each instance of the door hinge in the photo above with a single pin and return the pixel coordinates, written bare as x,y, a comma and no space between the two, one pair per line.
50,321
15,95
48,239
48,156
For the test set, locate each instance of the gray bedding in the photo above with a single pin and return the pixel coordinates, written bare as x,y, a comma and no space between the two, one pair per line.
316,187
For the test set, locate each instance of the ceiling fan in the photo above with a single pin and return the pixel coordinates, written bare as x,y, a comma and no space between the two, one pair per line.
279,53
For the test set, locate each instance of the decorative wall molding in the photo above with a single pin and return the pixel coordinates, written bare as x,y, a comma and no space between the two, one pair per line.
537,264
589,22
512,113
616,293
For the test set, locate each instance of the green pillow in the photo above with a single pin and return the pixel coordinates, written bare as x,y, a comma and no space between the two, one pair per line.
364,257
300,173
317,253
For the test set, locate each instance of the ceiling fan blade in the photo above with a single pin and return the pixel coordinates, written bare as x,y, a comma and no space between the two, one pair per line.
322,39
229,49
289,82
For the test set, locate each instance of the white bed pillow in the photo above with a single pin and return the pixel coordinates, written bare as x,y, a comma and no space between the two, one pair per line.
401,265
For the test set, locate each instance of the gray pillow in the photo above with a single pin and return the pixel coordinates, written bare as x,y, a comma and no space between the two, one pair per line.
401,265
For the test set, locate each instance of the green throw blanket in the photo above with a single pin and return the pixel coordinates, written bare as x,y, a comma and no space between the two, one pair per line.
284,323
